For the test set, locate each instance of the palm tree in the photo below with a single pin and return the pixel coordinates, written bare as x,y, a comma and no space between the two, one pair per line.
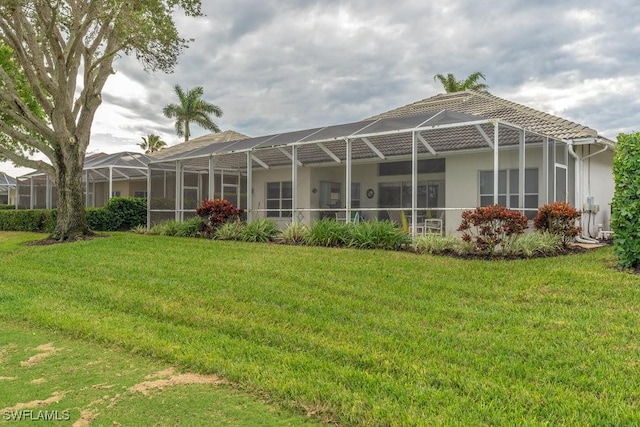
450,83
152,143
192,109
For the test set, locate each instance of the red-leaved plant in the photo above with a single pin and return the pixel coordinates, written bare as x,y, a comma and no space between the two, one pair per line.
558,218
217,211
489,226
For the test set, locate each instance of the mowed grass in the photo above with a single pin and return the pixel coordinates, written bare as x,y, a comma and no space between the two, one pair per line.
87,384
351,336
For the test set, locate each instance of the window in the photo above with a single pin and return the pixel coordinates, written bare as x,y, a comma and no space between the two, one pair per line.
140,194
279,199
115,194
508,189
404,167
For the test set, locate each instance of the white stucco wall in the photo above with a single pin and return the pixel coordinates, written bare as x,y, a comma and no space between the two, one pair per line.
597,181
462,178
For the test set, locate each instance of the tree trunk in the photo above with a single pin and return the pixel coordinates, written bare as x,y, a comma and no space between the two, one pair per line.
71,221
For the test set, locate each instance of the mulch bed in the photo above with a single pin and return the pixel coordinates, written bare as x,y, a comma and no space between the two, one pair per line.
47,242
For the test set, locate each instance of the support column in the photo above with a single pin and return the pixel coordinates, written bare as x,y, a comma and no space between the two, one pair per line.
496,163
86,190
544,191
249,187
178,204
521,169
148,194
414,184
294,183
110,183
33,193
212,180
348,180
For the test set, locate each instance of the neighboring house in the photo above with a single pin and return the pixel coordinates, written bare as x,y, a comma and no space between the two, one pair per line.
7,189
105,176
428,161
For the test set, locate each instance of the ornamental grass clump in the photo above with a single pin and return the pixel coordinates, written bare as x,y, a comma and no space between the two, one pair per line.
433,243
488,227
533,244
296,233
328,232
558,218
260,230
233,230
376,234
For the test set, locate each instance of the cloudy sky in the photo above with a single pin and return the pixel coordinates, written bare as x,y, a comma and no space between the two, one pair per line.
285,65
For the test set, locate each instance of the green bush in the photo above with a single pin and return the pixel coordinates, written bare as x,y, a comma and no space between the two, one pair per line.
296,233
128,212
625,207
101,219
36,220
121,213
531,244
7,207
434,243
260,230
233,230
376,235
328,232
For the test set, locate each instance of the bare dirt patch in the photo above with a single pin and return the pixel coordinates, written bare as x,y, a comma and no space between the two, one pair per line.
175,380
8,378
39,381
86,418
55,398
46,349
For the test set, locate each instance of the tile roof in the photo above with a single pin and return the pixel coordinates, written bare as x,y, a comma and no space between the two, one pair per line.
226,136
493,107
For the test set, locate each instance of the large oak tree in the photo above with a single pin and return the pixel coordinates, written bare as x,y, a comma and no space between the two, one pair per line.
61,54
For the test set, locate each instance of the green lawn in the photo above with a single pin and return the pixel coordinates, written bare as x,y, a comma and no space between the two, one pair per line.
357,337
110,387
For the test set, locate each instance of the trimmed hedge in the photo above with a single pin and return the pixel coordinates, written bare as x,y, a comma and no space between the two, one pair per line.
625,207
38,220
7,207
121,213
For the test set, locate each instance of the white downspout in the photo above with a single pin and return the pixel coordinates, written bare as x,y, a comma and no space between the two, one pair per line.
578,190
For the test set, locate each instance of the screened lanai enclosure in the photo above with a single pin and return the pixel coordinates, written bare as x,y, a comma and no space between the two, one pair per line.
105,176
7,189
426,168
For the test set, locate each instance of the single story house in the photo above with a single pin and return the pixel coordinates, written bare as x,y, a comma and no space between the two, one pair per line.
427,161
7,189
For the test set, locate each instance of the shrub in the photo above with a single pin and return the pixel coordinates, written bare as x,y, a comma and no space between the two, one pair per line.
434,243
128,212
233,230
531,244
328,232
36,220
376,235
487,227
625,207
296,233
558,218
217,212
102,219
7,207
260,230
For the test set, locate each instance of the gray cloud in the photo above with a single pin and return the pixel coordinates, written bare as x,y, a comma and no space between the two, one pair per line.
276,66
